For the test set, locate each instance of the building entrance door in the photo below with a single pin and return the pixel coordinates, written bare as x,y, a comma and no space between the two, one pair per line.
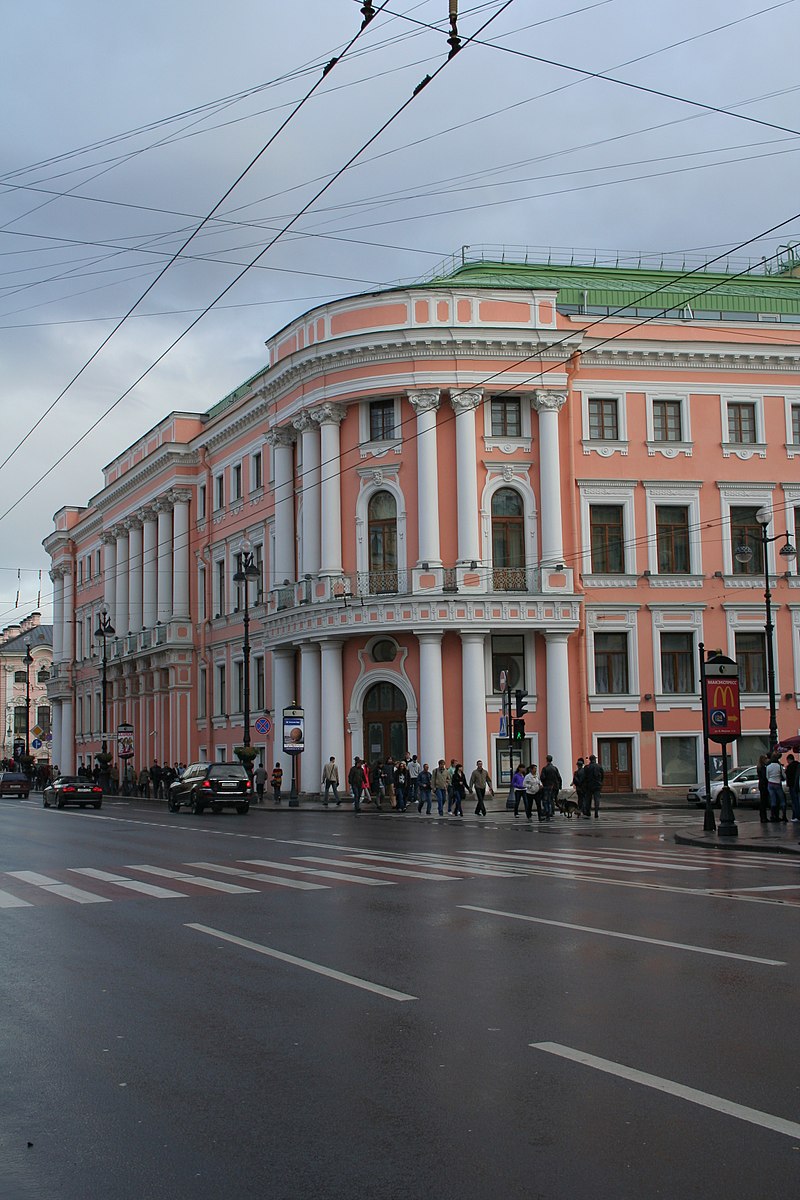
385,731
616,759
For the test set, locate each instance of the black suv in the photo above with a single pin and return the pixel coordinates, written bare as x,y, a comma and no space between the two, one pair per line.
211,785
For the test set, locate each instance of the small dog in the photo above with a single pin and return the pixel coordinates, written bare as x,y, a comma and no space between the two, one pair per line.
567,802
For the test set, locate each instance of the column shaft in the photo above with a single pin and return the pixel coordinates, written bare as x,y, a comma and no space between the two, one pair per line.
121,608
284,512
310,677
464,404
329,417
548,406
67,761
332,692
68,623
110,575
164,582
283,694
135,576
58,616
431,698
559,728
311,500
426,405
180,541
473,685
149,568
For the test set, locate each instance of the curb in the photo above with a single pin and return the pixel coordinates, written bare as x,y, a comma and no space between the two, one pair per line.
761,845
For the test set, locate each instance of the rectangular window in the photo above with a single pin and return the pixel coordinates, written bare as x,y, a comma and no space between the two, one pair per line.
751,655
611,664
506,417
741,422
796,424
259,694
237,481
19,721
667,421
219,491
750,747
678,760
201,593
603,420
88,567
606,532
43,718
202,684
221,608
508,656
98,562
257,595
79,715
746,534
201,502
381,420
672,539
239,677
256,472
677,664
80,570
221,691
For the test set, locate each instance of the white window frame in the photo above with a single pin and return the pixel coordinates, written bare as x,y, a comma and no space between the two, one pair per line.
202,692
790,401
673,733
613,618
220,601
237,483
676,618
609,491
743,450
749,618
602,446
507,445
669,449
257,469
219,492
220,688
384,445
683,495
742,495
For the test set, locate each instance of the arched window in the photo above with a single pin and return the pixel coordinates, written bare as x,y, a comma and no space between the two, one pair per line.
508,541
382,535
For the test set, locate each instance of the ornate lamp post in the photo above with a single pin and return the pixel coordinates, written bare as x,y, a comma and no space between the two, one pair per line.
28,660
104,631
248,571
744,554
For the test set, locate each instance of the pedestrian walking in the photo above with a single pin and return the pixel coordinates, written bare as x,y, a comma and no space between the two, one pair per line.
459,789
579,783
551,786
777,796
276,782
533,787
480,782
389,769
518,788
793,784
377,779
450,773
440,782
413,769
763,788
260,782
330,780
366,791
401,785
424,786
594,785
355,779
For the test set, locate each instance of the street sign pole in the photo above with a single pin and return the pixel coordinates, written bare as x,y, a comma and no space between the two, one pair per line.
709,824
723,724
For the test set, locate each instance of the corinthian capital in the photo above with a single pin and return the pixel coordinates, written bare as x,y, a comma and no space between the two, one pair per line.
549,401
303,421
180,496
328,414
466,401
282,435
427,401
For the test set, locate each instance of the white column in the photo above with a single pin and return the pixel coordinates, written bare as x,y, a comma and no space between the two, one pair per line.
134,527
55,745
121,613
58,614
283,694
68,623
309,432
282,440
332,692
149,567
110,574
330,417
425,405
67,761
464,405
549,405
431,698
164,582
180,544
473,686
311,758
559,728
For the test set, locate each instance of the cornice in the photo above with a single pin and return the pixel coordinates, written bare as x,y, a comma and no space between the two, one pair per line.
695,359
156,464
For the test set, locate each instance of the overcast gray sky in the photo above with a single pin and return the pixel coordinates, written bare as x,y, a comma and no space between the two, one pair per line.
125,125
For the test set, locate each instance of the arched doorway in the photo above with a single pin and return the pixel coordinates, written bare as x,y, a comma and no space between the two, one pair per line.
508,541
385,730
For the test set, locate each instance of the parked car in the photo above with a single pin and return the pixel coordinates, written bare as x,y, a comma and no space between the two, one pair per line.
743,782
14,783
211,785
72,789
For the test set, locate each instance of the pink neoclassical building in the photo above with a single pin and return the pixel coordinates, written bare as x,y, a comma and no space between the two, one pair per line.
537,474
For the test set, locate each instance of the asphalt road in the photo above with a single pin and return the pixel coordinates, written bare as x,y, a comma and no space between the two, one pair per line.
434,1009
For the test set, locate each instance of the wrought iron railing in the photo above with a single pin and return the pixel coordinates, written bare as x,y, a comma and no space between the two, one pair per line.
510,579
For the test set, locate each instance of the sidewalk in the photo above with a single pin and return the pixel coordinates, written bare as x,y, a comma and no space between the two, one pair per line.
765,839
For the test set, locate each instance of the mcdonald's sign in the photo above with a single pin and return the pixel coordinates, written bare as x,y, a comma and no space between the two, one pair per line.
723,718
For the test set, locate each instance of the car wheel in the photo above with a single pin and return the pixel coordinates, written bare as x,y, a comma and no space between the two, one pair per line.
25,795
171,805
45,801
97,804
242,809
216,808
197,805
59,802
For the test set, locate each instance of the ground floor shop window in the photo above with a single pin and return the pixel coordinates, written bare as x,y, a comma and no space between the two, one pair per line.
679,760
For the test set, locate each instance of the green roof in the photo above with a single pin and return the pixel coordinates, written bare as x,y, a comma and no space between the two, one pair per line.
620,286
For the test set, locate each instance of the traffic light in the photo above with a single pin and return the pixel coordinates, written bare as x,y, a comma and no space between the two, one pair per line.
518,729
520,700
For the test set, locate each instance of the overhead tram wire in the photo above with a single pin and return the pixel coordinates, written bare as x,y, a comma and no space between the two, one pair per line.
397,113
178,252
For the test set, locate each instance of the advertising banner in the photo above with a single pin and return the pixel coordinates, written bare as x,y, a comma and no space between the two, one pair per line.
722,705
125,746
294,731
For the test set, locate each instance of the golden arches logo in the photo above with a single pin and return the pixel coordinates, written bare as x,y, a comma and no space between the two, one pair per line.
724,696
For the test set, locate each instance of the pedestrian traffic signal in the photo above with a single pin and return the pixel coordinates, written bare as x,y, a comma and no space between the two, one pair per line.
521,703
518,729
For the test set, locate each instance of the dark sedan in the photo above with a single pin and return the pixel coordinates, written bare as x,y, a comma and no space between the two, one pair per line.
14,783
211,785
72,789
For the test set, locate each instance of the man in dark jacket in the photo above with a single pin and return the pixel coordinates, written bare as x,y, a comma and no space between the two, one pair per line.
579,783
594,785
793,784
356,780
551,786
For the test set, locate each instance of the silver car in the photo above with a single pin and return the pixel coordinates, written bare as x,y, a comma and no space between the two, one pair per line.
743,782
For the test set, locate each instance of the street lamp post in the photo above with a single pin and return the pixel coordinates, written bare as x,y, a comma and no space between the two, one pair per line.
247,572
744,554
104,630
28,659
